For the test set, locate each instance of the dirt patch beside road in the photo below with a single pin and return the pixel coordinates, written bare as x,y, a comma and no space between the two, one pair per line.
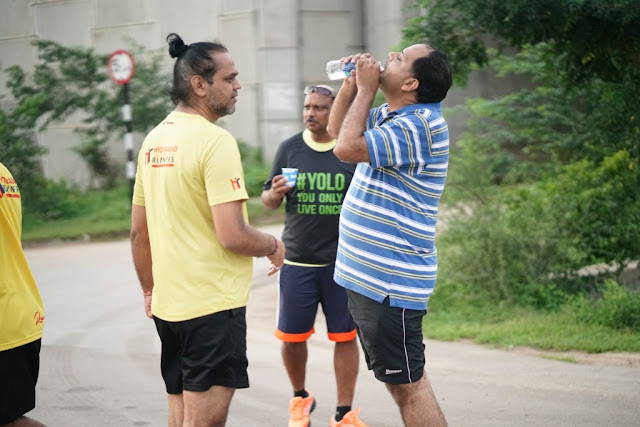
621,359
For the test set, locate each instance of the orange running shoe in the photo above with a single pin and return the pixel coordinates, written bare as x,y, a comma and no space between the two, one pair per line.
350,419
299,410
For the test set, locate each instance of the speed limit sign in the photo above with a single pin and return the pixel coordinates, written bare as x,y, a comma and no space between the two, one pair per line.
120,66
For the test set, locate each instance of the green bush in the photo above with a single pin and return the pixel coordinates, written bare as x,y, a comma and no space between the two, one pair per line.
544,183
526,243
617,308
508,249
95,213
255,169
46,200
599,205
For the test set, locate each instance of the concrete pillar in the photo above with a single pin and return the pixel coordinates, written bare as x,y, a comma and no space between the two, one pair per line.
278,53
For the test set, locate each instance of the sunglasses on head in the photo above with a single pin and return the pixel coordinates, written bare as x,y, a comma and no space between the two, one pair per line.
319,90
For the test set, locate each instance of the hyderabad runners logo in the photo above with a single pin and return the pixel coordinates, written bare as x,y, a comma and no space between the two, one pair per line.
9,188
161,157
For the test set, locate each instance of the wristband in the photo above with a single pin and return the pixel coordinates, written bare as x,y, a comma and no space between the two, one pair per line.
274,249
146,293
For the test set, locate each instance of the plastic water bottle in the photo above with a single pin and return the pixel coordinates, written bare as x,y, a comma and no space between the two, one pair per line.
338,70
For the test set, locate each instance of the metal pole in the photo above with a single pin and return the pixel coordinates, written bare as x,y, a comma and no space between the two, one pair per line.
128,137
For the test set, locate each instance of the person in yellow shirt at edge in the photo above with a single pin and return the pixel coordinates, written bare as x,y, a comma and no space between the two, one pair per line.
21,313
191,242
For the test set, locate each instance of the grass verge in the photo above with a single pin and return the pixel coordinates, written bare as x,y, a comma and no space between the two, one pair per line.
508,326
104,215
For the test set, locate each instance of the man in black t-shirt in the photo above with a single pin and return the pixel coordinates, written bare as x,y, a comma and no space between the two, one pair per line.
312,211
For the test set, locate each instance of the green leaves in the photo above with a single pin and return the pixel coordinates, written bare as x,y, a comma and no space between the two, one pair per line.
545,180
594,38
19,149
70,80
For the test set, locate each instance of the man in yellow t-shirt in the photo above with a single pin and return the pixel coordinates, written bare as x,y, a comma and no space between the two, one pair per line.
190,239
21,313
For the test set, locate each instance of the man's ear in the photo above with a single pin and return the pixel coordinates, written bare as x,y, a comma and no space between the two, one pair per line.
410,84
199,85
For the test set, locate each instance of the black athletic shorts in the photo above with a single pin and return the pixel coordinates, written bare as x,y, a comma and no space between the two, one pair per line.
203,352
19,368
391,338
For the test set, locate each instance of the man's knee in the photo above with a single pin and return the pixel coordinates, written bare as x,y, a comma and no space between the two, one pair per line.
351,344
401,392
404,393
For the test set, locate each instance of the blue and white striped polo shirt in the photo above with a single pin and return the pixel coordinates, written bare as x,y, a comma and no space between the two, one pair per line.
387,225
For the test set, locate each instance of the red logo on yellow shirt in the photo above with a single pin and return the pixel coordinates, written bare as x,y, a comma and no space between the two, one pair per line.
235,183
9,188
38,317
160,157
147,156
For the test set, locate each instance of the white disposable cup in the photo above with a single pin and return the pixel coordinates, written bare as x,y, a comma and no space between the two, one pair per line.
291,174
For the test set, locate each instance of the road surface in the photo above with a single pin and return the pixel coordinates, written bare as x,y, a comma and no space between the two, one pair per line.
100,362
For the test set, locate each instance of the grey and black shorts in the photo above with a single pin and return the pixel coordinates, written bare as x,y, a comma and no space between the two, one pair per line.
391,338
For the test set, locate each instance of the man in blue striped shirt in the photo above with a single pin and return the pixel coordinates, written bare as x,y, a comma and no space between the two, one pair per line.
387,258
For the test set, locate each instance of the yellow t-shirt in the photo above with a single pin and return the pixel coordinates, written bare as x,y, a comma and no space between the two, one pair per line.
187,164
21,310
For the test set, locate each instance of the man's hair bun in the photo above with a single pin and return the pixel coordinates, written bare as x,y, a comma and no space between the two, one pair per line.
176,46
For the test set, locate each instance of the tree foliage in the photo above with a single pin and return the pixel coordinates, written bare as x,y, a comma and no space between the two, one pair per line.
590,38
19,149
73,80
70,81
549,173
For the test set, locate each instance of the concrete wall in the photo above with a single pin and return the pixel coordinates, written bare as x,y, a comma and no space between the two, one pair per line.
279,47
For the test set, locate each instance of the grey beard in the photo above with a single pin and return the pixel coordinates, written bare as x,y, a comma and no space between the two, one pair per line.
222,110
226,110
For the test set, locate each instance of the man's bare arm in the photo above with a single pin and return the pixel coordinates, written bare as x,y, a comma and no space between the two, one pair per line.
236,235
141,251
351,145
343,101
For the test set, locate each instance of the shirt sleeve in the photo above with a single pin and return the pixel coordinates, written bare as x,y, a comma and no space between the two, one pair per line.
408,141
223,172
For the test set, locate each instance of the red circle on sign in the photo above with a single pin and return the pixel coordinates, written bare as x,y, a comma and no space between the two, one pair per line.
120,66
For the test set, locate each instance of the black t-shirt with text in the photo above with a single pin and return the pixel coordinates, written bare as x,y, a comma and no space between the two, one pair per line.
312,208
